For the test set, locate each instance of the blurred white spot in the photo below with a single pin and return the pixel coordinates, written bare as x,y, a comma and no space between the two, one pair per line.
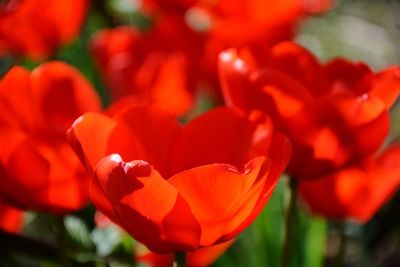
126,6
225,56
116,158
363,97
239,64
198,19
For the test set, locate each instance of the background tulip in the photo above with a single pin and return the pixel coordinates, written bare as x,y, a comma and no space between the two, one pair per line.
165,53
176,51
335,114
38,168
355,192
45,24
11,218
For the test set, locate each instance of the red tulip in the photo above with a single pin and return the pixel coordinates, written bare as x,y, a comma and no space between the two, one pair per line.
252,23
257,24
356,191
335,114
177,188
145,67
253,10
35,28
199,258
11,218
166,64
38,168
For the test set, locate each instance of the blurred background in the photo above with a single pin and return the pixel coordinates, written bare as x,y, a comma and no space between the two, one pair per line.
367,30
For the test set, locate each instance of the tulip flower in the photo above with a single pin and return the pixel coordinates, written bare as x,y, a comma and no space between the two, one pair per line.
38,169
226,8
178,54
180,188
244,23
335,114
356,191
11,218
36,28
139,66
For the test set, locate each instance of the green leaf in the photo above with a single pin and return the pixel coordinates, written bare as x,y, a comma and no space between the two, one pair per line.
106,239
315,242
78,232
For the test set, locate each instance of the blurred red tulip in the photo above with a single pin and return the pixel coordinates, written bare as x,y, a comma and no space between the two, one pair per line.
166,64
38,168
357,191
177,188
35,28
146,67
199,258
235,7
11,218
335,114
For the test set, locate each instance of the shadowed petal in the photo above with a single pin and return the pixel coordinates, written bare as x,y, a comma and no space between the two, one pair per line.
204,141
62,94
143,201
16,100
156,131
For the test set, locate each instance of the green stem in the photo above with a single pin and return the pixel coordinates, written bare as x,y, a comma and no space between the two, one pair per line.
340,256
61,241
180,259
289,224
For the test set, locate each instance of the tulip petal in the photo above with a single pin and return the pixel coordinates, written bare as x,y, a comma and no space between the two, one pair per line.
206,256
241,138
11,218
16,100
172,81
280,153
233,73
133,66
142,200
62,94
231,195
357,191
346,75
300,64
101,201
99,136
89,138
50,177
199,258
386,86
336,130
156,131
35,28
288,95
